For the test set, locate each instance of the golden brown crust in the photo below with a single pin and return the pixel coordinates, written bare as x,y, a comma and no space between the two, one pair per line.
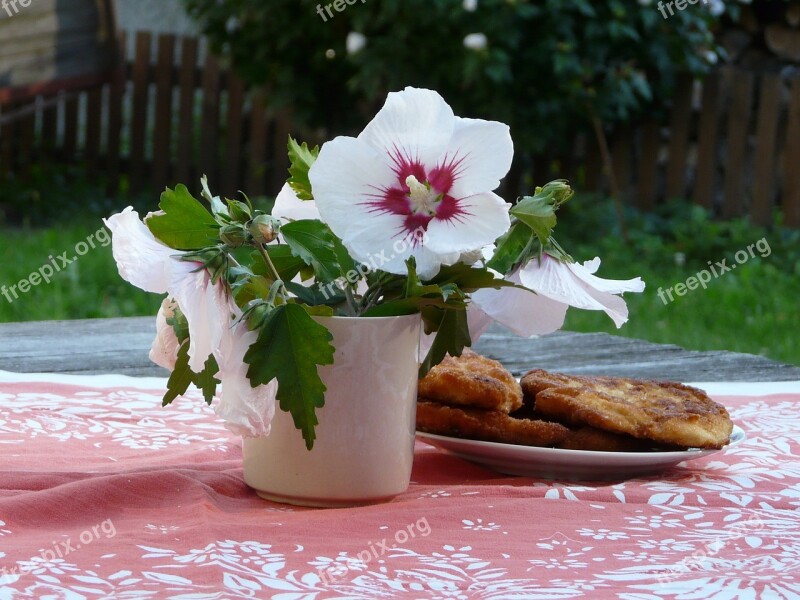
666,413
589,438
487,425
472,381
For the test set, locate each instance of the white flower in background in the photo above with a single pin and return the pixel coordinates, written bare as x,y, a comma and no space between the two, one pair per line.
558,285
355,42
154,267
247,411
715,7
232,24
470,5
289,207
164,350
475,41
148,264
416,182
711,57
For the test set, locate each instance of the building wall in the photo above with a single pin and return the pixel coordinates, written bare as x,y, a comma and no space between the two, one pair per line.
158,16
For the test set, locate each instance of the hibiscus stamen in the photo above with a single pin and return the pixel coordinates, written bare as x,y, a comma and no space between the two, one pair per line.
423,200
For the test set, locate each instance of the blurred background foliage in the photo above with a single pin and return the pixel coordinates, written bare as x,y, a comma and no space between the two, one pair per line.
537,66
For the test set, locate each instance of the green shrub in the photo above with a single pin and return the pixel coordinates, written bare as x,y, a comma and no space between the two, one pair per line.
542,64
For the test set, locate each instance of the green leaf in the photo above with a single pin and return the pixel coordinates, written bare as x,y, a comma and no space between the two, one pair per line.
179,324
467,278
312,241
205,380
452,335
316,295
185,224
289,348
286,263
538,213
301,158
182,376
513,248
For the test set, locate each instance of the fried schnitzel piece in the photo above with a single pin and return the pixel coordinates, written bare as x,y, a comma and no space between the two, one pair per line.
589,438
487,425
473,381
666,413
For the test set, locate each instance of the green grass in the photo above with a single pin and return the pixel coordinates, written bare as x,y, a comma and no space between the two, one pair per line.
88,287
754,308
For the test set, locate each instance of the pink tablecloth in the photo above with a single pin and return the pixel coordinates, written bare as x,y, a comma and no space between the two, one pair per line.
105,494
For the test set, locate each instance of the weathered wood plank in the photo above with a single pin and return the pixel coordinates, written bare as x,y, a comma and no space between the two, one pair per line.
121,346
232,182
791,165
141,87
769,108
680,120
738,130
187,84
209,133
162,134
258,143
707,142
648,164
116,94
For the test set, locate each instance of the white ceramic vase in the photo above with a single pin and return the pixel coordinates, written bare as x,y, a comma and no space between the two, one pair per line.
365,437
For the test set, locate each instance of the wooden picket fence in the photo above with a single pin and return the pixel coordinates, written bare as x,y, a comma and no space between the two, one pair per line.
171,112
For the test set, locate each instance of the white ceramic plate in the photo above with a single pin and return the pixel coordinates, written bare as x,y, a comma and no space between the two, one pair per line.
580,465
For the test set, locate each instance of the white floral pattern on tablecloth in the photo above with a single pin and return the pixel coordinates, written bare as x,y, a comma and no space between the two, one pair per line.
104,494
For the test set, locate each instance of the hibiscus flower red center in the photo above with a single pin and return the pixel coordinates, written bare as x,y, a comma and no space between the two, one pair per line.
420,195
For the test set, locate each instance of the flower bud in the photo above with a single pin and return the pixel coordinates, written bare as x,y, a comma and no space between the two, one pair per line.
257,315
232,236
239,211
264,229
559,191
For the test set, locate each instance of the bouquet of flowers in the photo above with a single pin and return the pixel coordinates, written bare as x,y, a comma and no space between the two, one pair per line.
399,220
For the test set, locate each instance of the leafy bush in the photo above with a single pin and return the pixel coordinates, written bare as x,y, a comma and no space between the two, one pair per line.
533,64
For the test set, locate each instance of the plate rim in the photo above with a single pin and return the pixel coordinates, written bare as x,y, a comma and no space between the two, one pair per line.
738,435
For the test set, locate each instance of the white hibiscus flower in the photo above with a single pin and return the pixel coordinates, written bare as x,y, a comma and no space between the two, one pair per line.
212,316
558,285
416,182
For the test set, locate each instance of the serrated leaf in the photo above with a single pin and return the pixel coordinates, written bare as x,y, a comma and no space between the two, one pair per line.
313,242
290,347
185,223
182,377
452,335
537,213
301,159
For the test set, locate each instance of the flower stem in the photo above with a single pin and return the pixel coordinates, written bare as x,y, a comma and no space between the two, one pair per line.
351,302
273,271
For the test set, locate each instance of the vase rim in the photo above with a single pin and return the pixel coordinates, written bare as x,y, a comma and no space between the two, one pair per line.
389,318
